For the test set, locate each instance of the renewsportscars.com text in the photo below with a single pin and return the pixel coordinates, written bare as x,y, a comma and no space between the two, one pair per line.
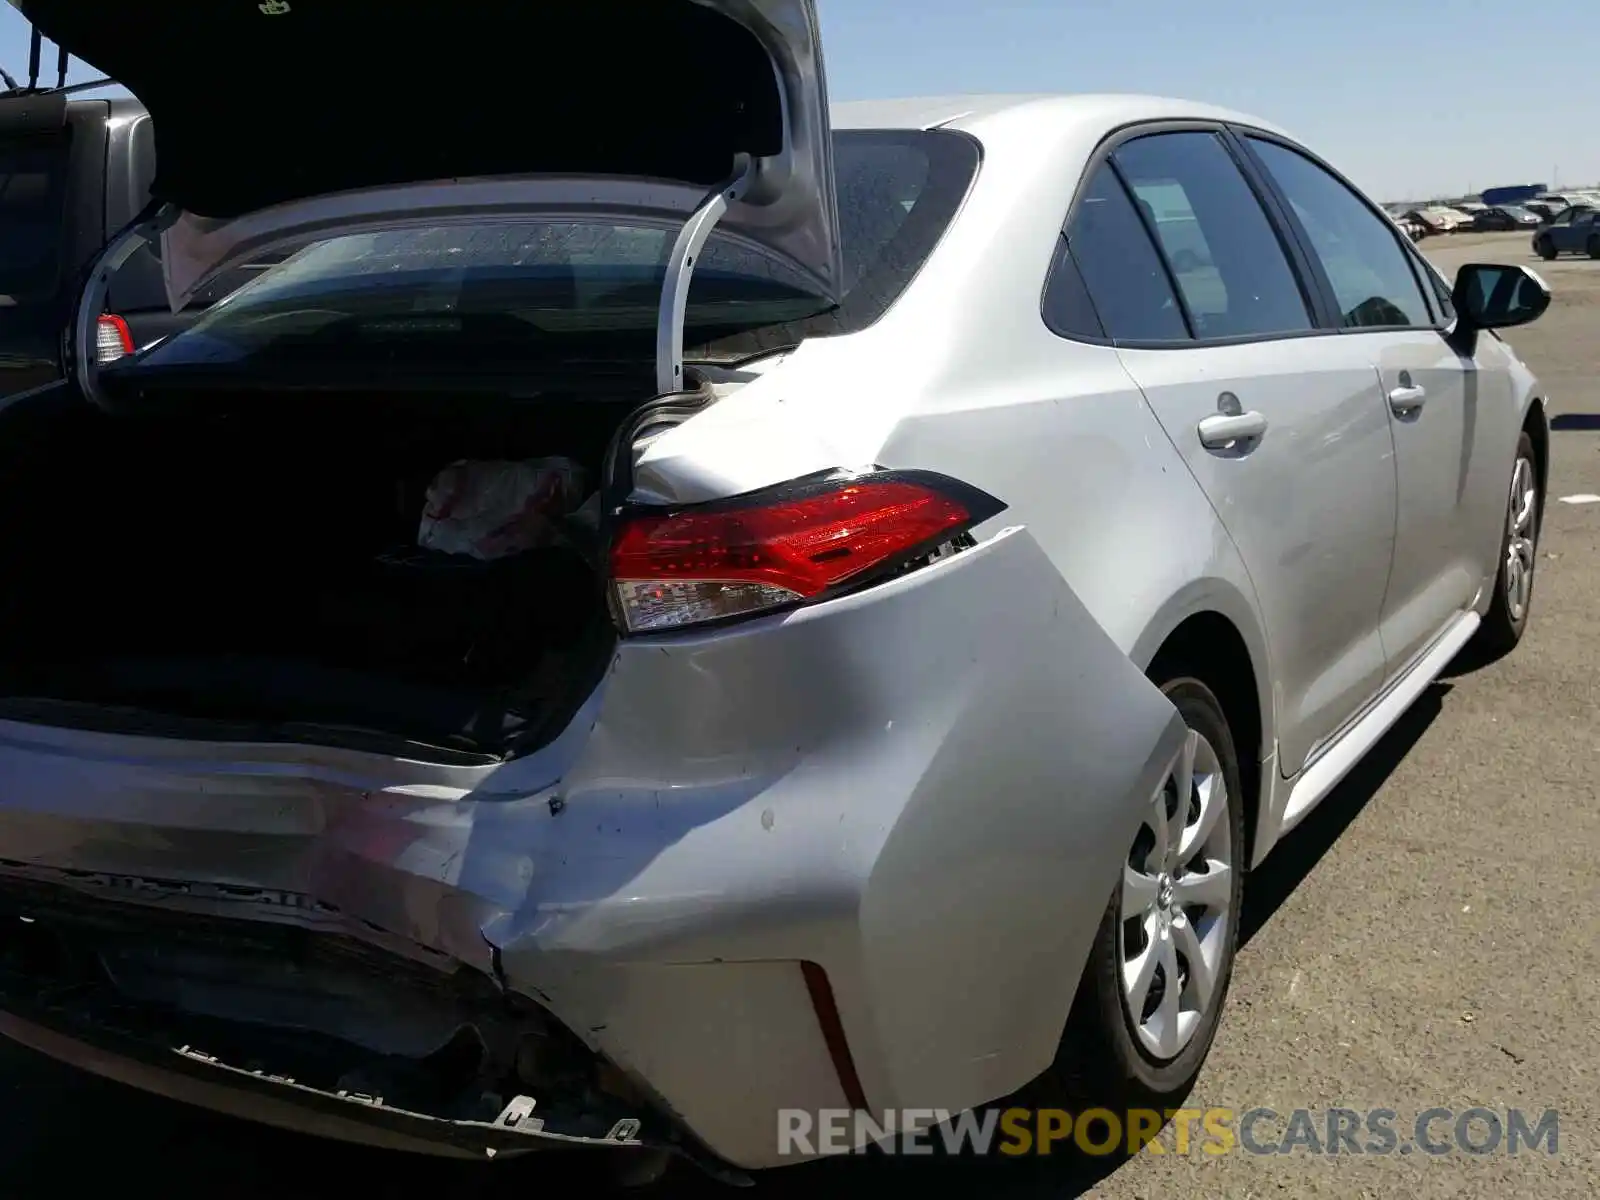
1207,1131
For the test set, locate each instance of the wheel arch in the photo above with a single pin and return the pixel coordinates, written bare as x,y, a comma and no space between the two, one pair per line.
1536,424
1212,634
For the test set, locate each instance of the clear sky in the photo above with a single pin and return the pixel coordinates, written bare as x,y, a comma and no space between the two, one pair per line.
1410,98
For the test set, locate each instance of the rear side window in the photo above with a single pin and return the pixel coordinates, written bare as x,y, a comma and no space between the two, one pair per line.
1360,252
1230,267
1112,279
32,181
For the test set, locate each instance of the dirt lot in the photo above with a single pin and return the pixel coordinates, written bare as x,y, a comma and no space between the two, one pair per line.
1429,938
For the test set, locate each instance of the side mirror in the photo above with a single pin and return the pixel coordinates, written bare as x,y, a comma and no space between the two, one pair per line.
1497,296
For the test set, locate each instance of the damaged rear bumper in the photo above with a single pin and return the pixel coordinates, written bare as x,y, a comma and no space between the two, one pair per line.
70,988
850,856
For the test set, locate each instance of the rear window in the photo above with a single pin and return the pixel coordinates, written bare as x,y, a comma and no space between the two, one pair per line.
503,288
32,177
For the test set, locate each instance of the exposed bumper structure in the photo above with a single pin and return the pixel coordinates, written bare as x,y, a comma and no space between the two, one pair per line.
850,855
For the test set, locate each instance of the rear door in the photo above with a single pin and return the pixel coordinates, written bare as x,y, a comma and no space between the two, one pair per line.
1302,475
48,227
1454,424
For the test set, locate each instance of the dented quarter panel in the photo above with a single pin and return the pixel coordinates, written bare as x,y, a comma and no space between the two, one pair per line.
832,785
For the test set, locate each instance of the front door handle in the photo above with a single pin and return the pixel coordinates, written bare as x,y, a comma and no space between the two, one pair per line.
1407,399
1223,430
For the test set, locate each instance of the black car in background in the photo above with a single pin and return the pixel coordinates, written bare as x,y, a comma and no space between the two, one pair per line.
1503,217
73,171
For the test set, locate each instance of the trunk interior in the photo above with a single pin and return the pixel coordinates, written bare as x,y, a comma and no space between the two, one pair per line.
248,565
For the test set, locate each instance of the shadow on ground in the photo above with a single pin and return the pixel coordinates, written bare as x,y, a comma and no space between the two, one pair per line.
1298,854
63,1127
1575,421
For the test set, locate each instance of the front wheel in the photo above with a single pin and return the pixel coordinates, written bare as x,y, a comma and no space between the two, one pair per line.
1594,247
1153,991
1507,619
1544,248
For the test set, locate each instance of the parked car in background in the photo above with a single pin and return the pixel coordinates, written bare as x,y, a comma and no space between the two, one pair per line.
845,726
73,171
1410,226
1543,209
1572,231
1581,197
1430,224
1504,217
1439,219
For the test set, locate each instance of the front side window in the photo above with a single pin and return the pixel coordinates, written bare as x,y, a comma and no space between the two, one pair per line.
1371,276
1230,267
499,293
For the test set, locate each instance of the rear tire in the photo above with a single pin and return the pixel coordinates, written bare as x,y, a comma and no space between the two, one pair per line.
1544,248
1508,614
1112,1055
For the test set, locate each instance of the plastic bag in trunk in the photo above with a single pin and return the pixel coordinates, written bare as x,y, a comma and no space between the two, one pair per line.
496,509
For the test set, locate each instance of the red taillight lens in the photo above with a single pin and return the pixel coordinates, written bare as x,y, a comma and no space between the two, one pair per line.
796,543
113,340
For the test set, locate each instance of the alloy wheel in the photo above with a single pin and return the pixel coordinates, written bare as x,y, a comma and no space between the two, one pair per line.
1177,890
1522,523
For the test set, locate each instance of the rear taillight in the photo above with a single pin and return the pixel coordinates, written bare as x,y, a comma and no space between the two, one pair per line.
113,340
800,542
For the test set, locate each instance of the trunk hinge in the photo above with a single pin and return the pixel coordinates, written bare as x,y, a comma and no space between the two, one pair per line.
680,272
145,229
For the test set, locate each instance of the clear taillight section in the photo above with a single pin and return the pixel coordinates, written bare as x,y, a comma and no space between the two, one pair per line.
113,340
798,543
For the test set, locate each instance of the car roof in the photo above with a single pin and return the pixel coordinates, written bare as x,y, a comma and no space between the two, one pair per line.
972,112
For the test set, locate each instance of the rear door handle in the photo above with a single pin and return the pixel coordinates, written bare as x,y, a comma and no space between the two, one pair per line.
1221,431
1407,399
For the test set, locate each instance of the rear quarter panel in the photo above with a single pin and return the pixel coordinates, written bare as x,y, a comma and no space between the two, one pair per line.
962,376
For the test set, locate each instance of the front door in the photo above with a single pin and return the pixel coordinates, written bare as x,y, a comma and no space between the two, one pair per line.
1445,415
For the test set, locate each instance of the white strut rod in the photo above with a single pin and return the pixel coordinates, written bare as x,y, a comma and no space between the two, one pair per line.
680,273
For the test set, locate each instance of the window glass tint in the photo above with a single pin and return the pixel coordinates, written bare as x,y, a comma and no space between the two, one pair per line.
1119,267
31,216
1371,275
1230,267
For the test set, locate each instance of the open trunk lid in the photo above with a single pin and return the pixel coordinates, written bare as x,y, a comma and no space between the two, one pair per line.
287,119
